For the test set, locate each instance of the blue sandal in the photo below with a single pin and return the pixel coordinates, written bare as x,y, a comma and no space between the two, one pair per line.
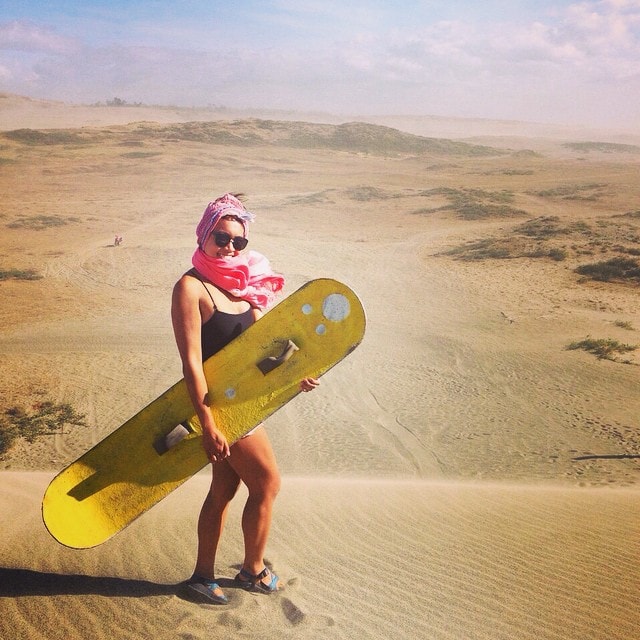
249,582
205,590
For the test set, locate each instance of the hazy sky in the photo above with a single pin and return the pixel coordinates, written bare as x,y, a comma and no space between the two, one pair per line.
537,60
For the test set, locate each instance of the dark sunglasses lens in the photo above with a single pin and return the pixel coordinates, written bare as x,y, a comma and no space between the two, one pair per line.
239,243
222,239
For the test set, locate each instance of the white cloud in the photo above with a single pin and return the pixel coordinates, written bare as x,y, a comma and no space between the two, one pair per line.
535,68
26,36
590,40
5,73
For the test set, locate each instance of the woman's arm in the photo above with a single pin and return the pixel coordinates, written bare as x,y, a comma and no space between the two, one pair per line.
187,325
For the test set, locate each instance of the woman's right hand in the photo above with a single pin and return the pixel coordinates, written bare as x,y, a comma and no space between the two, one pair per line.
215,445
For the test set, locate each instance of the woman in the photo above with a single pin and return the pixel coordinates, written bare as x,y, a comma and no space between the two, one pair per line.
225,292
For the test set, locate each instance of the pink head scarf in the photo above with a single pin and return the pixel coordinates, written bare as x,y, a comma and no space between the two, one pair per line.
247,275
226,205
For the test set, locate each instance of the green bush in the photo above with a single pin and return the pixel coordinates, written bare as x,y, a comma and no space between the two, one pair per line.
602,348
605,147
39,222
19,274
475,204
44,418
557,254
612,269
35,137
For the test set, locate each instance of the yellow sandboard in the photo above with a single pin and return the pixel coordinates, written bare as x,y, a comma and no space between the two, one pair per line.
136,466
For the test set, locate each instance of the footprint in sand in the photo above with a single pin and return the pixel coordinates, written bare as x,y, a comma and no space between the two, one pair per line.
292,612
230,621
295,616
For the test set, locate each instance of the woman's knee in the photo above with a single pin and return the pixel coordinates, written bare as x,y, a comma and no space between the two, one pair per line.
274,483
265,486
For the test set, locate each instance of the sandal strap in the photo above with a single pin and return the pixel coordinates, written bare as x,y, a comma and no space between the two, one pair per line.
254,578
263,574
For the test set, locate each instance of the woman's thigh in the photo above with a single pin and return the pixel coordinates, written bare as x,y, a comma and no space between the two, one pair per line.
253,459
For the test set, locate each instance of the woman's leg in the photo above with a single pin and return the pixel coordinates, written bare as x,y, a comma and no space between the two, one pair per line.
253,460
224,484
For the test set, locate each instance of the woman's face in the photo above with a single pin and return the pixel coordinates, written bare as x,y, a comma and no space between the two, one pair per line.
227,229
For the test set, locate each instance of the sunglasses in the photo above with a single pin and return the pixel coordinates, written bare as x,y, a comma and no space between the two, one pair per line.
222,239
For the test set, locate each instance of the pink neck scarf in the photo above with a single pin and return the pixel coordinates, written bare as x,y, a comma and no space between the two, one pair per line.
247,276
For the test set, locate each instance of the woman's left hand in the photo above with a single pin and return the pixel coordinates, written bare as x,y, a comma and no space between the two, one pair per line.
309,384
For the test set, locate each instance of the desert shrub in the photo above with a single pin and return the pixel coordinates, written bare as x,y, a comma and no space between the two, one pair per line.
543,227
367,194
503,249
19,274
475,204
557,254
572,192
319,197
489,248
490,196
119,102
34,137
612,269
44,418
141,155
602,348
604,147
476,210
632,251
546,227
624,324
39,222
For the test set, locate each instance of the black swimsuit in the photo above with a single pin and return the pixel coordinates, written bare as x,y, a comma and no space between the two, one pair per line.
221,328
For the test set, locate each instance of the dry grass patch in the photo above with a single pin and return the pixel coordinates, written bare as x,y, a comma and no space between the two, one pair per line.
19,274
585,192
35,137
504,248
40,222
603,348
548,237
473,204
619,269
42,418
602,147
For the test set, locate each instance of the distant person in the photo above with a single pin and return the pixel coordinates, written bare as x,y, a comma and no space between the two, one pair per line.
227,290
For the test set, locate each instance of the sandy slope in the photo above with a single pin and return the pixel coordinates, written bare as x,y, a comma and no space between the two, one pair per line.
362,559
447,480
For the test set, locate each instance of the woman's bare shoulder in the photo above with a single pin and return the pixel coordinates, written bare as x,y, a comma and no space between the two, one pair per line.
188,285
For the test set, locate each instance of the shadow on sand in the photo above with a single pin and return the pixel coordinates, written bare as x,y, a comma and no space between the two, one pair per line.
24,582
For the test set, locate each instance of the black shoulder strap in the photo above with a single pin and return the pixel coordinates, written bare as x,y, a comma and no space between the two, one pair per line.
196,275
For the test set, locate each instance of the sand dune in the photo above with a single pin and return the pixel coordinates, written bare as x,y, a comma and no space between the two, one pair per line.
362,558
461,475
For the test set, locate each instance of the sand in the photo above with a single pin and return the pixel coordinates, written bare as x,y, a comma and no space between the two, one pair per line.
461,475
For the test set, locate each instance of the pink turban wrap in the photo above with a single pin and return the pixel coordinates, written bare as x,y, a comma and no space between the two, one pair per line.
226,205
